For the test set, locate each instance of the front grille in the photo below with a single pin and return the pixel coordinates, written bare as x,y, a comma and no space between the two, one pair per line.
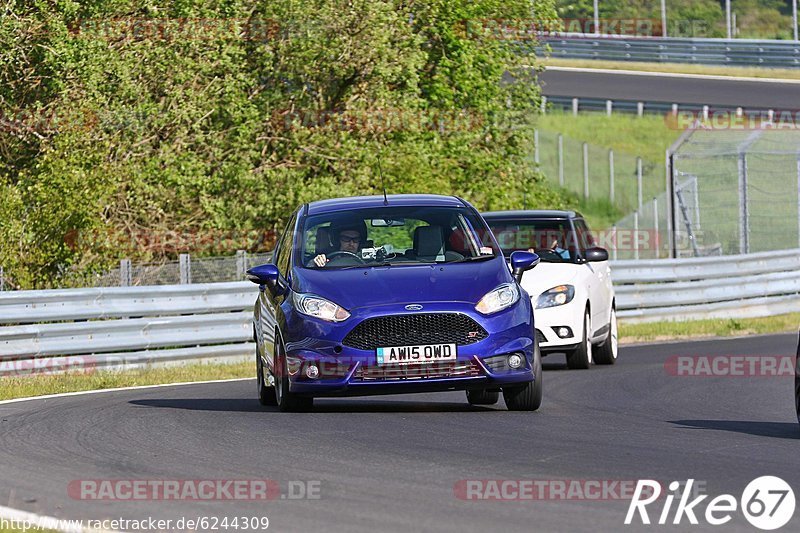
411,330
540,337
417,371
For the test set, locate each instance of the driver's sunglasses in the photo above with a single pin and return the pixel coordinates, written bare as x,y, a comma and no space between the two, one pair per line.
345,239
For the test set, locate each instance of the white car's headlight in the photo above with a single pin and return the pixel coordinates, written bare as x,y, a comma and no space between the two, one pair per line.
318,307
563,294
498,299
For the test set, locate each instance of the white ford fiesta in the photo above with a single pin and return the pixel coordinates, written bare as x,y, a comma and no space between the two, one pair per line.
571,288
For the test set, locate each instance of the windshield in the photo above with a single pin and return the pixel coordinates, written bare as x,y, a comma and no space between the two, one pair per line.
394,236
552,239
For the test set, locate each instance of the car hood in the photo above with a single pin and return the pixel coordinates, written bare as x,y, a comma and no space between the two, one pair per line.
548,275
362,287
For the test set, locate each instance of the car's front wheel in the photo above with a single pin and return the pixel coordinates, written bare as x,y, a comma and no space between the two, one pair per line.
581,357
529,396
606,353
266,394
482,397
287,402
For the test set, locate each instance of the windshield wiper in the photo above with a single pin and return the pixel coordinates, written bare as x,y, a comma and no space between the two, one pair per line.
473,258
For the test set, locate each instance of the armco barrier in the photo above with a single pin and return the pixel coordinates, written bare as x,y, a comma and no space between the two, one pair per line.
733,286
735,52
122,327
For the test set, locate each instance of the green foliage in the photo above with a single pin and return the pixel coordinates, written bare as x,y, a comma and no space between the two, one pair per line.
124,118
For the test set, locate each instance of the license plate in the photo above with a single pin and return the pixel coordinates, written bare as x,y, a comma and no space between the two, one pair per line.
424,353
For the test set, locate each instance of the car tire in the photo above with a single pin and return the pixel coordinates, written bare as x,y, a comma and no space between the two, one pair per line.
266,394
482,397
606,353
286,401
529,396
581,357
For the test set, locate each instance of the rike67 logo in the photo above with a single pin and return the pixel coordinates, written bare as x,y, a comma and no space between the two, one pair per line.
767,502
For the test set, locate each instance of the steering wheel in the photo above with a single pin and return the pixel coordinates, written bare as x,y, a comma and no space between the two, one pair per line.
344,253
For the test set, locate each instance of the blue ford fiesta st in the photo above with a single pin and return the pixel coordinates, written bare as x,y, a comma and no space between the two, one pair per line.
393,294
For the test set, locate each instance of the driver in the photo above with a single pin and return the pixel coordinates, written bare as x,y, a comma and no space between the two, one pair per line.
562,252
349,238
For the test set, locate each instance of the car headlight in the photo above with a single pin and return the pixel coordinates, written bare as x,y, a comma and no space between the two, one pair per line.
563,294
498,299
318,307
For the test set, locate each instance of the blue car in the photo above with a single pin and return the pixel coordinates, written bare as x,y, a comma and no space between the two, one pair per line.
393,294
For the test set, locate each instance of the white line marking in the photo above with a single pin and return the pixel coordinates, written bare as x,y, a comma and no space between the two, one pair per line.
671,75
118,389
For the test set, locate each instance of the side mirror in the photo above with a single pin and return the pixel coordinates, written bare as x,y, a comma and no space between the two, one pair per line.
596,254
521,262
266,275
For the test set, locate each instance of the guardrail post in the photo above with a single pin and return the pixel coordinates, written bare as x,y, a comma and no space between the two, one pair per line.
675,109
125,273
185,262
611,175
705,112
614,242
241,264
770,114
639,182
640,108
609,107
575,106
536,146
560,160
585,171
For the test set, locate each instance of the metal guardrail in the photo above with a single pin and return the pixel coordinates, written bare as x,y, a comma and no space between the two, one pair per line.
124,327
734,52
734,286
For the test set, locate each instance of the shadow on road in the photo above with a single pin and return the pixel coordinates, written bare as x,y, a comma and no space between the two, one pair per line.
781,430
320,406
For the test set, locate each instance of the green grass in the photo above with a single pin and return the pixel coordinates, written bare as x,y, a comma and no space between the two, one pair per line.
24,386
679,68
663,331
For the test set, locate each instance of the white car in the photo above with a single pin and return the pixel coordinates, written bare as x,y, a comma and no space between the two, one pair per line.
571,291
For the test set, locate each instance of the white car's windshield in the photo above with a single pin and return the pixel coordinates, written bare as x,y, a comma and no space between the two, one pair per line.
394,236
552,239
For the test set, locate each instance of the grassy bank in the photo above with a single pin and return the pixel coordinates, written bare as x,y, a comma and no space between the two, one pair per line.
668,331
678,68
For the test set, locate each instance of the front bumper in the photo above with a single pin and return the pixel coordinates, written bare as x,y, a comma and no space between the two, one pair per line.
550,318
348,371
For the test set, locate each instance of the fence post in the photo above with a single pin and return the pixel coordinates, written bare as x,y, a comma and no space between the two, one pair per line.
635,234
639,183
2,280
655,228
186,268
585,171
536,146
609,107
744,224
611,175
125,278
544,105
705,112
640,109
560,160
614,242
241,264
675,109
575,106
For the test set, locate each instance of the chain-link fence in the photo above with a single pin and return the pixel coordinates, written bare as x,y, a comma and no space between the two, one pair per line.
746,198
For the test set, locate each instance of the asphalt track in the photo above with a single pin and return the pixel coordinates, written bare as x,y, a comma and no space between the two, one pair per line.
675,89
391,463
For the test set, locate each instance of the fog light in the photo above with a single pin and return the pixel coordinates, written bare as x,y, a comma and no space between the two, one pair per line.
312,371
514,361
564,332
